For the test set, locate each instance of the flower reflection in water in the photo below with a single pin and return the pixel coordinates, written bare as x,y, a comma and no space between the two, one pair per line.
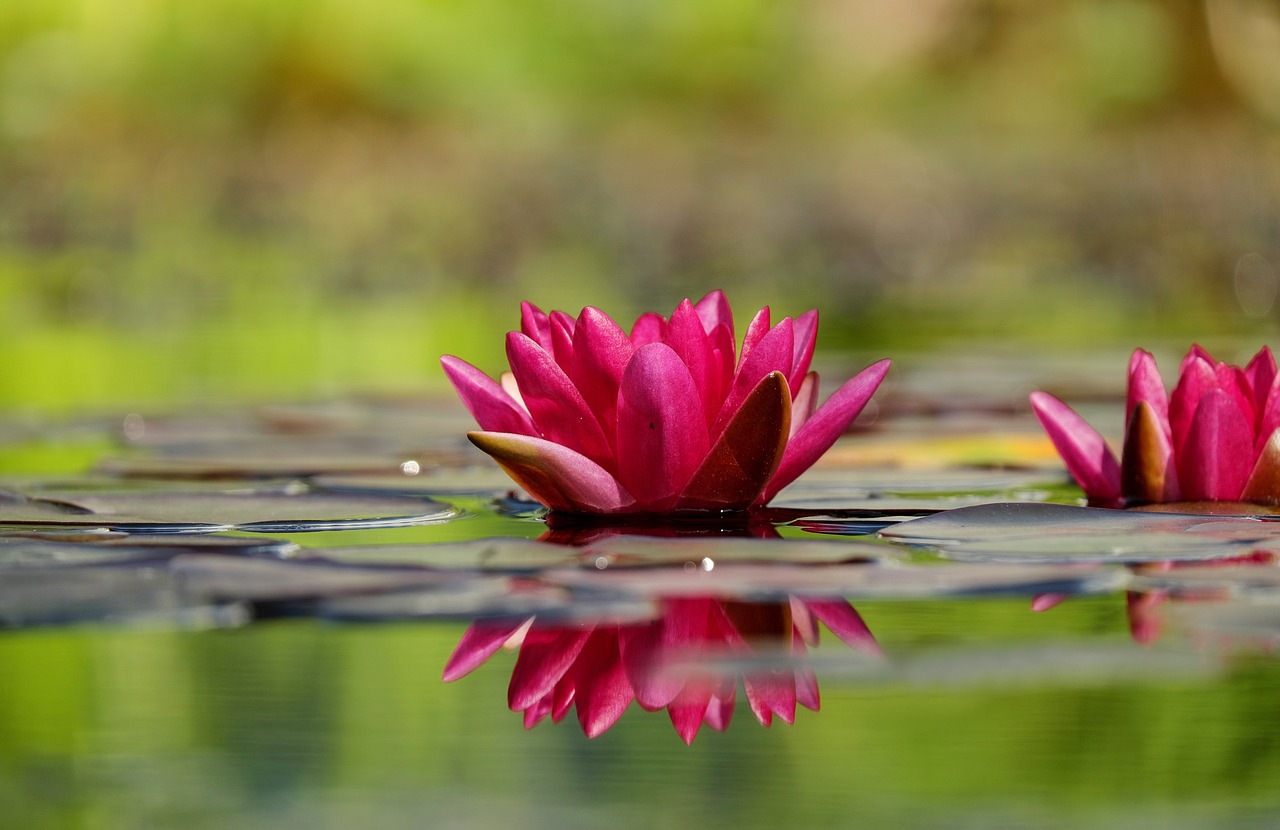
678,661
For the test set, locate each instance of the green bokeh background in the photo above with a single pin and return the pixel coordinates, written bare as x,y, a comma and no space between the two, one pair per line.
247,200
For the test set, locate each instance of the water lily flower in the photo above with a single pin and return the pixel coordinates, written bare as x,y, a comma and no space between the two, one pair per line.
1214,438
665,419
662,664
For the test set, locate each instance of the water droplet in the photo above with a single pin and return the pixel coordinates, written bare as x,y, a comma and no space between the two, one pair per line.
134,427
411,468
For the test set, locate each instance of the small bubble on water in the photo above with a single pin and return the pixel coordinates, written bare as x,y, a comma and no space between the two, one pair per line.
134,427
601,563
707,563
411,468
690,567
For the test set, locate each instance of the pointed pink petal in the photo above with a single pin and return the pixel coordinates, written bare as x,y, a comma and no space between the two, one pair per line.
486,400
649,328
538,710
1232,380
562,698
806,400
806,682
1087,456
562,339
689,708
771,692
806,337
720,708
600,353
1196,354
723,363
1144,623
535,325
1268,418
545,655
714,310
1197,379
825,426
803,622
478,643
772,353
1261,375
555,475
687,339
846,623
744,457
555,404
1043,602
756,330
660,446
601,690
1145,384
1218,454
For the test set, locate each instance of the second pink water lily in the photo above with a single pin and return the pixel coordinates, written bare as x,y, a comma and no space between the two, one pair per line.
664,419
1216,437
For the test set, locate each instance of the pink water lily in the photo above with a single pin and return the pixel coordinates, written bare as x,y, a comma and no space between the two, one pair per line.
665,419
601,669
1214,438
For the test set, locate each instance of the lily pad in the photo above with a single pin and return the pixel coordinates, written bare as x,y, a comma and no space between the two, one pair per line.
126,549
269,512
1215,582
1096,547
497,554
480,598
1022,520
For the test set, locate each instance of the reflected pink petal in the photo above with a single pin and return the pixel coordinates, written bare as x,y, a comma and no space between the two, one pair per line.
545,655
480,641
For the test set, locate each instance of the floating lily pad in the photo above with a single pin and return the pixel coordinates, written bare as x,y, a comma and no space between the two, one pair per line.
127,549
1021,520
270,512
479,598
1096,547
485,481
883,581
498,554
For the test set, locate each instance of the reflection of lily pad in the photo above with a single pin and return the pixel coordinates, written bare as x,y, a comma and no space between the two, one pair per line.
270,512
480,598
650,550
1022,520
262,580
1219,581
759,582
499,554
1095,547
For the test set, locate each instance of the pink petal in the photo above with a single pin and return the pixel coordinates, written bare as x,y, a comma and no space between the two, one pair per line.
773,353
486,400
1087,456
689,708
806,400
660,446
601,690
771,692
720,708
735,470
650,327
687,339
1145,384
481,640
535,325
803,623
562,326
1263,486
1218,454
1261,375
601,351
1043,602
844,622
554,474
1196,354
806,682
723,363
825,426
1268,418
714,310
545,655
756,330
1144,622
806,337
556,405
1197,379
681,632
535,712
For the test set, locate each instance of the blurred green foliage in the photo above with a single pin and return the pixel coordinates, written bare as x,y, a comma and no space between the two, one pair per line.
249,199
